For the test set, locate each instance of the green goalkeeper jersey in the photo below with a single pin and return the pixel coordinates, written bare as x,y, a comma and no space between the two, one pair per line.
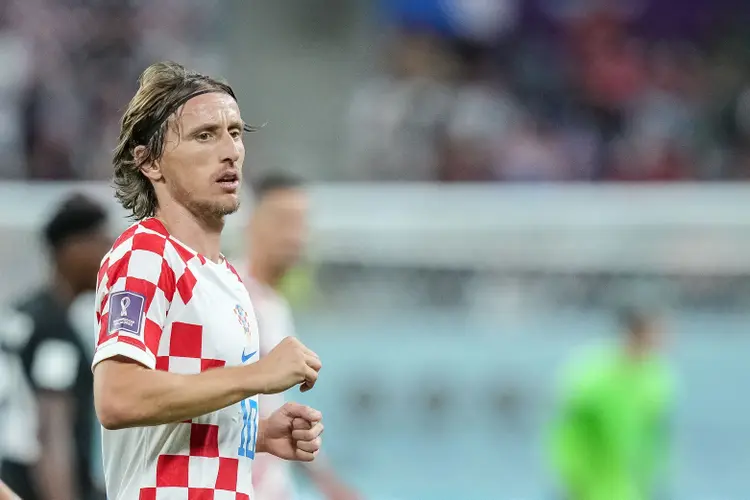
610,437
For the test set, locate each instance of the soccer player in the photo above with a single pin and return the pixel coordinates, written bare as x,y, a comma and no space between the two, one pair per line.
50,422
611,436
176,369
277,234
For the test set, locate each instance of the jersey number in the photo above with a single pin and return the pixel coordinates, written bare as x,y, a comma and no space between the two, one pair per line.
249,432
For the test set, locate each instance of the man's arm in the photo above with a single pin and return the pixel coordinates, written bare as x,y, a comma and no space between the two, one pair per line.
56,468
127,394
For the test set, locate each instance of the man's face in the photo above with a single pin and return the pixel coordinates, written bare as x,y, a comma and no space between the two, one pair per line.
281,222
201,166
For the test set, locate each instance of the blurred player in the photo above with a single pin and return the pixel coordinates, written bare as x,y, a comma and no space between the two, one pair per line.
5,491
176,369
277,234
48,434
611,437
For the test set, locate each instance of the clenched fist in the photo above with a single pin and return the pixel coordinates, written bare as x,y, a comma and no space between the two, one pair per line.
289,363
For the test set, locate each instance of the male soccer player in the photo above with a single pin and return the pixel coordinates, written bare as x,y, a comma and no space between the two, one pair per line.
611,436
276,239
176,370
50,421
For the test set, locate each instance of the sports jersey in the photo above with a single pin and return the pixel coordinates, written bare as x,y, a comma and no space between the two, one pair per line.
272,477
169,308
610,442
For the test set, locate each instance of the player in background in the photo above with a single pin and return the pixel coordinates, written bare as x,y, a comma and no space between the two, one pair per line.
276,239
611,439
176,369
5,491
49,427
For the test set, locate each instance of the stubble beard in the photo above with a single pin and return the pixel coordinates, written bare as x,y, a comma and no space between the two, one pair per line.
210,212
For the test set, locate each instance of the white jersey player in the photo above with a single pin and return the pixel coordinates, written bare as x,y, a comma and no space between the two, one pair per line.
277,235
176,369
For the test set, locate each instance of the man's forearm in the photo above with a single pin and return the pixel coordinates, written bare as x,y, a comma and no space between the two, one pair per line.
56,468
130,395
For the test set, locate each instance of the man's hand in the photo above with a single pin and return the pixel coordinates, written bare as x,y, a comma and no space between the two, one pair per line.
288,364
292,432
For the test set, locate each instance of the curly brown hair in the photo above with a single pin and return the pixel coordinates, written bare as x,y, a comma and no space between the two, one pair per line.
162,89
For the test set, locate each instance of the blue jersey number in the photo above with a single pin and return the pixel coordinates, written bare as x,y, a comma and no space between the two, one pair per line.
249,428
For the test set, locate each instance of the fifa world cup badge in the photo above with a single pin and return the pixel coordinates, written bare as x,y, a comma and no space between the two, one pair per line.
243,319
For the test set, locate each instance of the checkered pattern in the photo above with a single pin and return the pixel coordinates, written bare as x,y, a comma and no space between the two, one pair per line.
188,325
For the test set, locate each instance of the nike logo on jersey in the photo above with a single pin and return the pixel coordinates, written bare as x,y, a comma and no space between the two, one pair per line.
246,357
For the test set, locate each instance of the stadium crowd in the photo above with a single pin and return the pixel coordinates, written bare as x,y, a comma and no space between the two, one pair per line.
68,69
466,91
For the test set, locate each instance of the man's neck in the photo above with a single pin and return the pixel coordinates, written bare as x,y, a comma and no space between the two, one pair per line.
202,235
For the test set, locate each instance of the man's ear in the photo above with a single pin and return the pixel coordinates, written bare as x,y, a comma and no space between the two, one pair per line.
149,168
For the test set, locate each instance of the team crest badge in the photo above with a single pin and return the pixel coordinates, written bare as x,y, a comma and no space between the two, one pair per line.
242,318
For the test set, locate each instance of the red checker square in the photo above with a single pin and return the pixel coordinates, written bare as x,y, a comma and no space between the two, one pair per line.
200,494
152,335
186,340
172,470
242,496
162,363
147,494
207,364
119,268
124,236
185,285
183,252
227,476
150,242
204,440
166,281
144,287
102,271
156,226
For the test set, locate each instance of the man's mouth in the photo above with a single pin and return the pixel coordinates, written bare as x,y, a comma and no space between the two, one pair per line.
229,181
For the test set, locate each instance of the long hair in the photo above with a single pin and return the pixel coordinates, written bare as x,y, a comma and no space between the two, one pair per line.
162,89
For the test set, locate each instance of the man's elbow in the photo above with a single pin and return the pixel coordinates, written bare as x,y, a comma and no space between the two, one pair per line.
112,400
112,413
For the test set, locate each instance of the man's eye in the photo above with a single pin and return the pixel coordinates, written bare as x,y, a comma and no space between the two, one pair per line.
203,136
236,134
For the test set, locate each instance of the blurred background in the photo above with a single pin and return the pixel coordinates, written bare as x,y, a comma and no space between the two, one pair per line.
489,180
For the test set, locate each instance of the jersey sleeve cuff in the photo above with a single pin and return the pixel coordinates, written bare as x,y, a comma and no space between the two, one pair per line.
107,351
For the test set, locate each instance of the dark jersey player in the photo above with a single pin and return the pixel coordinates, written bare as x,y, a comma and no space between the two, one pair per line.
50,419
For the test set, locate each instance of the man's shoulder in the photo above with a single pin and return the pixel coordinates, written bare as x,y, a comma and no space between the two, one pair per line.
145,248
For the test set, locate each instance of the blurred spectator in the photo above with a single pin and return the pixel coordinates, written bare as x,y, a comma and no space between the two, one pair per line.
54,400
69,66
396,121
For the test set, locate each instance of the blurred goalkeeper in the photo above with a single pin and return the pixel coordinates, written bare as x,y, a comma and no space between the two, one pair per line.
611,438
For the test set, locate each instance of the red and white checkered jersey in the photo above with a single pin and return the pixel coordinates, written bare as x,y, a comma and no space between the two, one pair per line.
272,477
168,308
